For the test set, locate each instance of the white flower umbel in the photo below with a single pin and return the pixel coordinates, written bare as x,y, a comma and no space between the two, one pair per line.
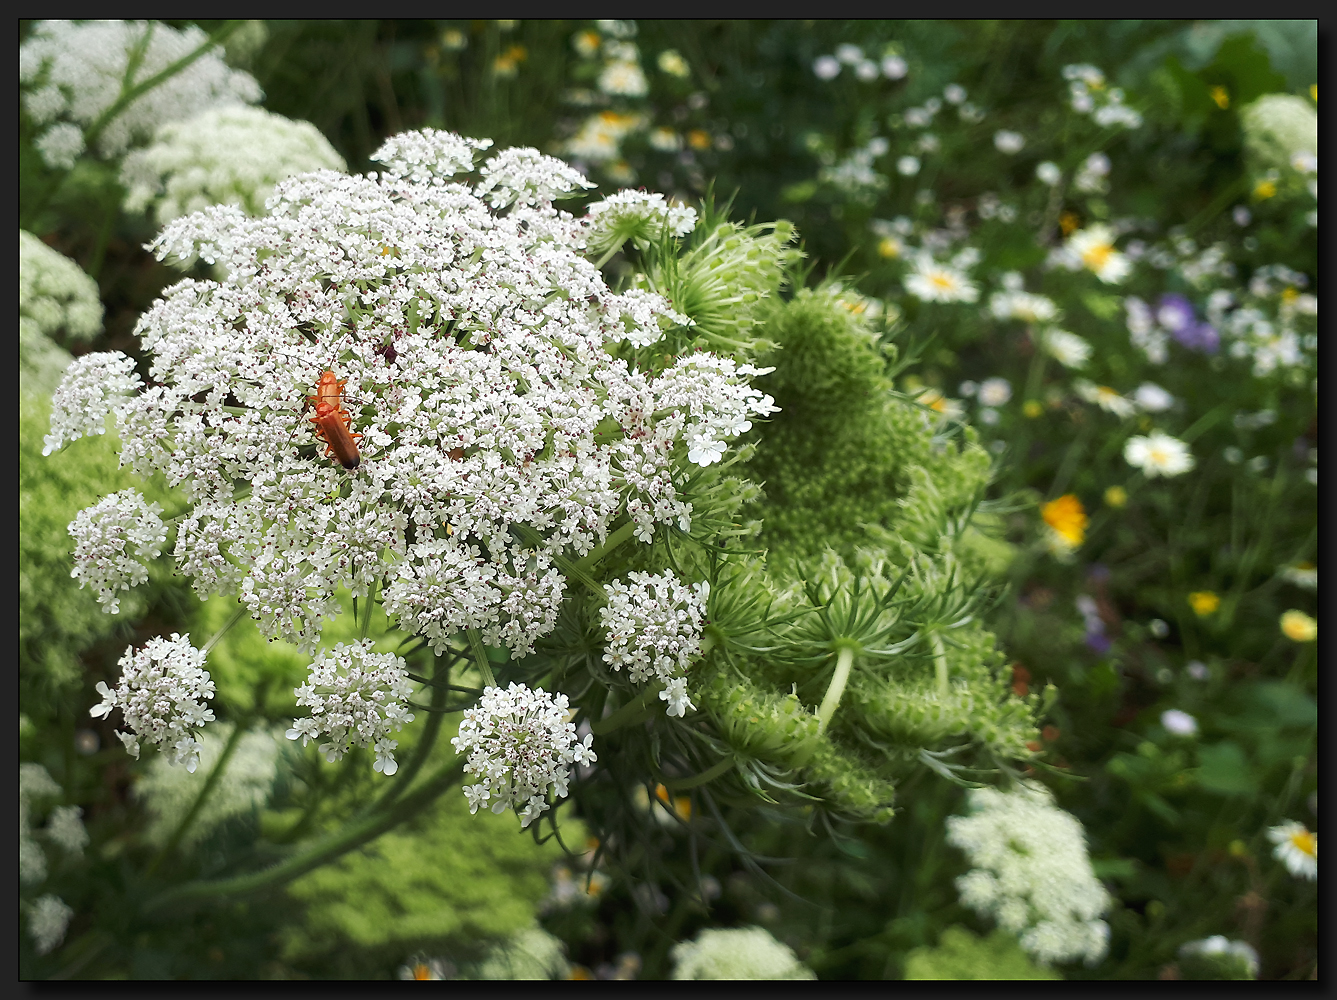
47,921
1031,873
1220,950
639,216
654,627
225,156
94,387
522,745
1158,454
468,341
1296,848
737,953
932,281
54,292
74,72
357,698
112,539
161,693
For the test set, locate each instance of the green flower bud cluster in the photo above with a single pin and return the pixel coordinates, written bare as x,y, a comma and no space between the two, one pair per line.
775,729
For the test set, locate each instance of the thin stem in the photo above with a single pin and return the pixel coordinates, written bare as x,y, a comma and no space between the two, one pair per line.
630,712
479,652
610,543
940,664
236,617
127,97
431,730
844,661
326,849
210,783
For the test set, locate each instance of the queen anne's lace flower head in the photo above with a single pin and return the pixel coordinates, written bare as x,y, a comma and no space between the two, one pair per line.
653,625
161,693
225,156
471,340
1031,873
111,541
522,745
54,292
357,698
737,953
74,71
47,921
639,216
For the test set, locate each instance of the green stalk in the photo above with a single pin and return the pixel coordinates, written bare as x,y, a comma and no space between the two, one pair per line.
844,661
940,664
610,543
236,617
628,713
479,652
210,783
431,729
325,849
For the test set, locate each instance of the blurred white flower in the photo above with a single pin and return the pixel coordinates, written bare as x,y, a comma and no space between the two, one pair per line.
1179,723
1106,398
849,54
995,391
1009,143
954,93
737,953
1158,454
1048,173
826,67
1070,350
1152,398
894,67
907,166
1296,848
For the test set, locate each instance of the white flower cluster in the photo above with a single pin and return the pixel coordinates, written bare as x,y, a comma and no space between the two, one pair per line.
1090,95
225,156
469,345
654,627
891,66
54,294
1271,323
1220,951
111,541
1030,872
74,72
64,827
47,920
161,693
357,698
639,216
737,953
599,138
856,174
1279,128
522,745
94,387
243,787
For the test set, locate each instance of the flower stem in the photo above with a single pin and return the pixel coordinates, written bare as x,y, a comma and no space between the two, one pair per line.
325,849
236,617
844,661
479,652
210,783
940,664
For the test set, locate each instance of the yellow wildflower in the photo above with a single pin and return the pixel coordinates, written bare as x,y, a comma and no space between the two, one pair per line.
1204,602
1067,517
1264,190
1298,626
1116,497
1033,408
1221,96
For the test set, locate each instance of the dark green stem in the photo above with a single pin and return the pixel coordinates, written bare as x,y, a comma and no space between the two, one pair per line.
431,730
324,850
210,783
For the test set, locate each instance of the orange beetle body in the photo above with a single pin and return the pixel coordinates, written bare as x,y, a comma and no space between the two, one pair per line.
335,427
329,389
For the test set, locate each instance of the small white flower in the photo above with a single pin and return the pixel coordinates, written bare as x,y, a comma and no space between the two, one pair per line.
1093,249
931,281
1106,398
850,55
1009,143
624,79
676,696
826,67
1296,848
894,67
1218,944
1068,349
954,93
1152,398
1048,173
1179,723
867,70
995,391
1158,454
112,540
907,166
